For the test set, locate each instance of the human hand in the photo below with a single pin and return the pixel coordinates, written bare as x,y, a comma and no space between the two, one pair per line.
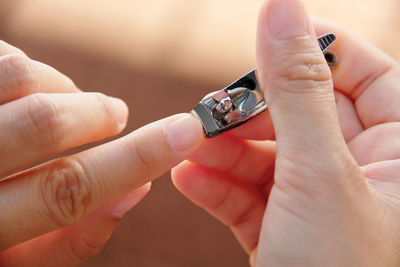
62,212
326,192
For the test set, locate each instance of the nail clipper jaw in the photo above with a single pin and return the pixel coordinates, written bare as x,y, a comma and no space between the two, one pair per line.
230,106
237,103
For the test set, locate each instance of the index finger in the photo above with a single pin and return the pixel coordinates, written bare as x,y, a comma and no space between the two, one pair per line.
64,191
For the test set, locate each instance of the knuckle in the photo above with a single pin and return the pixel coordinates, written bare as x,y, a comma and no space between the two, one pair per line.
303,70
143,158
42,122
18,72
105,106
66,193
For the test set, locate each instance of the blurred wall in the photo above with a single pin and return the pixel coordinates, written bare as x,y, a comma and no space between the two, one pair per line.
203,40
162,57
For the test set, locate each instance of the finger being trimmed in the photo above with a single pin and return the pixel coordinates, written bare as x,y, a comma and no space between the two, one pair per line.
62,192
75,244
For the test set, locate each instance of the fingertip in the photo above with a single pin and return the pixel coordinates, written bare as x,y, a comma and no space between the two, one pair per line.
201,185
187,180
184,133
121,112
261,40
180,175
262,14
287,19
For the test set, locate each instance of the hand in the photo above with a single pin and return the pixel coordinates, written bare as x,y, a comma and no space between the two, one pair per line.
327,191
65,209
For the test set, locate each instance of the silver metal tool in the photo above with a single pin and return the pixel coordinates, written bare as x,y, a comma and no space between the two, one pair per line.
237,103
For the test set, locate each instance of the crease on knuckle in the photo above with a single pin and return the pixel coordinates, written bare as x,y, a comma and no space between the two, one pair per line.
42,123
244,216
66,192
19,74
106,109
303,71
142,155
236,158
221,202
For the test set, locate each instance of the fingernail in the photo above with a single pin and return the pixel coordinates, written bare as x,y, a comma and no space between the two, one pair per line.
184,133
121,111
287,18
129,201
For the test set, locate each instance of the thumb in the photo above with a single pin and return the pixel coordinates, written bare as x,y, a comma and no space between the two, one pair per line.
298,87
296,80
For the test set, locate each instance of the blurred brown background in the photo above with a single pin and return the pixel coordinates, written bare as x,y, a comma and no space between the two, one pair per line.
161,57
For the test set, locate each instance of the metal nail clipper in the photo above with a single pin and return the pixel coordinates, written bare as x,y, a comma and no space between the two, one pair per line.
240,101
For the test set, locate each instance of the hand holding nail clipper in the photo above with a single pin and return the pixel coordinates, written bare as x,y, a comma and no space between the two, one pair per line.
321,185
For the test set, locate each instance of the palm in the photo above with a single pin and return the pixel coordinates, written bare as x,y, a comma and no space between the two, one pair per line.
231,176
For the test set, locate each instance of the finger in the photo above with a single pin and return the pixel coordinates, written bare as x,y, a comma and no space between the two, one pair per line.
378,143
366,74
77,243
384,177
233,156
64,191
239,207
258,128
348,118
6,48
296,81
41,125
21,76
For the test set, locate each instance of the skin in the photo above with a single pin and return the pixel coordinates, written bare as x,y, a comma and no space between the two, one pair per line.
62,212
311,182
315,180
